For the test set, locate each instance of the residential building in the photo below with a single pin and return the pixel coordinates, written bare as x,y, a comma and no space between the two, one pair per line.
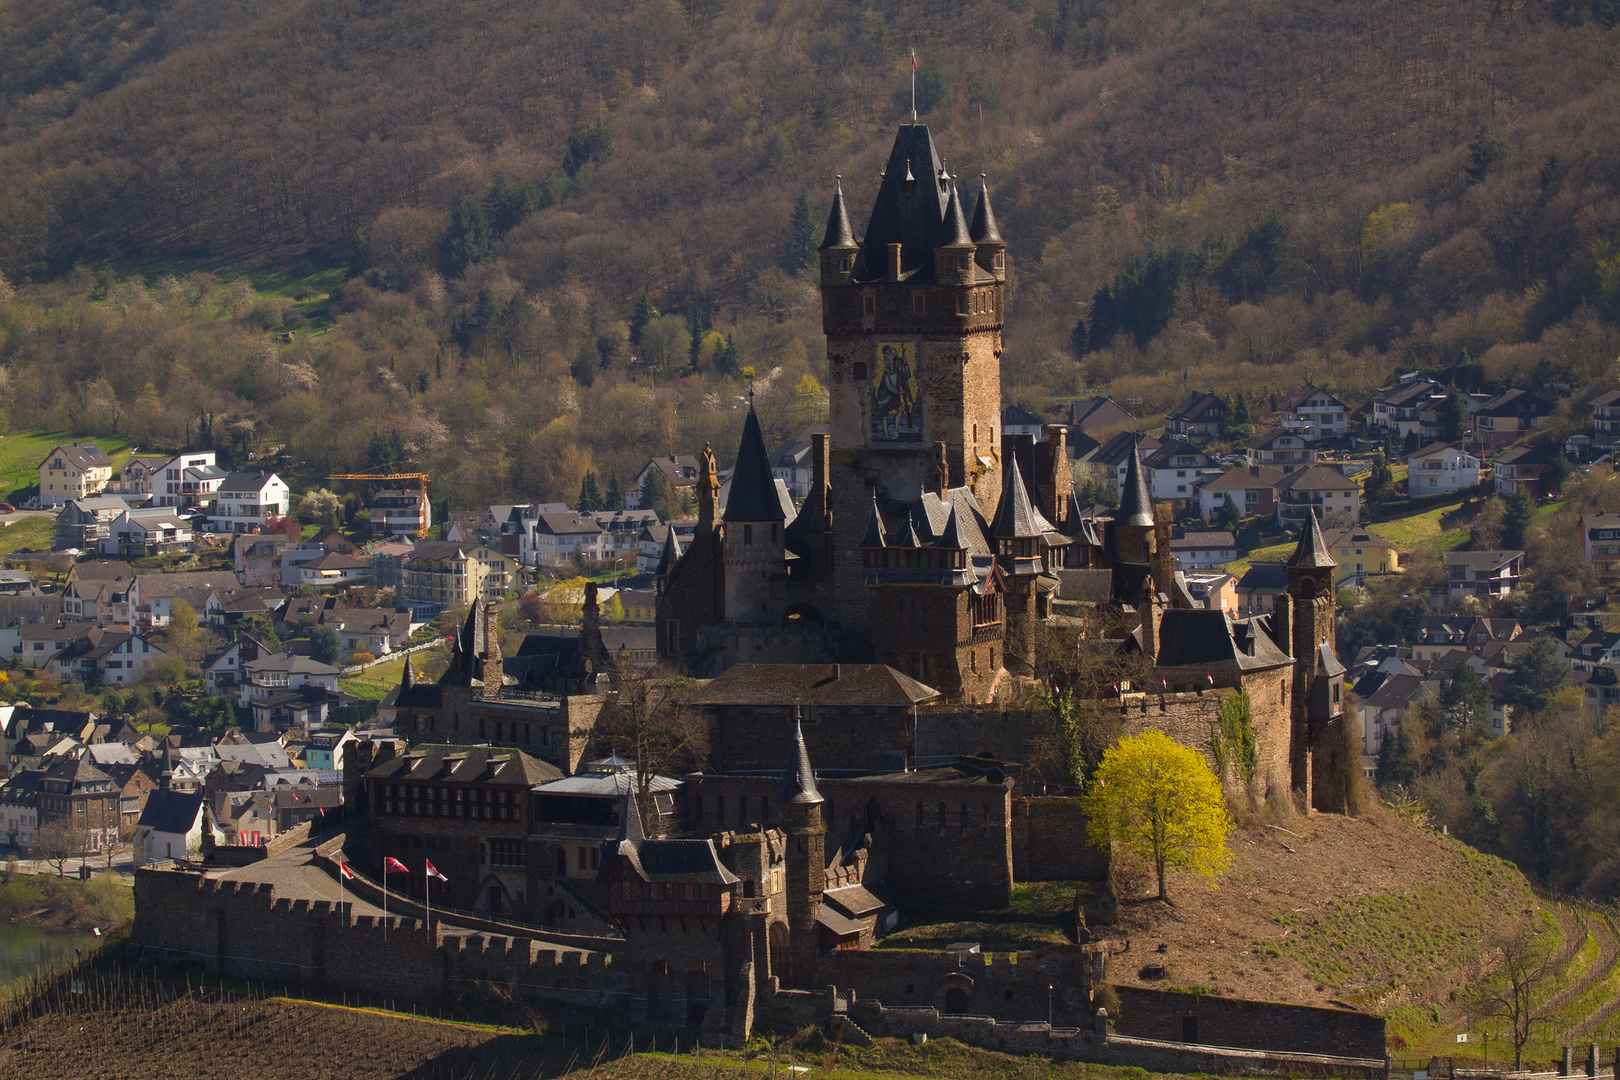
621,531
1252,490
378,631
1203,550
151,596
134,480
1113,457
1282,449
1605,423
1319,489
650,542
19,809
1213,589
1441,469
1381,711
258,558
98,592
41,638
1174,468
1360,553
17,583
640,605
147,532
1197,419
224,669
326,749
1488,575
560,539
73,471
1509,416
1017,420
792,462
1314,414
82,522
75,792
274,673
679,473
1097,417
191,479
1257,590
442,573
329,569
1520,468
1597,649
172,826
246,501
388,562
1600,537
106,656
1411,405
401,512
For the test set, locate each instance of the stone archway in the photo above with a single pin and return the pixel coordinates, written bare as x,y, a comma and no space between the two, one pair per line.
779,952
697,994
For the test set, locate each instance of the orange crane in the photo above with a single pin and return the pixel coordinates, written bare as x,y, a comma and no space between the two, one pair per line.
421,487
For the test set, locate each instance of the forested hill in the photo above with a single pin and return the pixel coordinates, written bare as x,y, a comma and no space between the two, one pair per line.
1222,194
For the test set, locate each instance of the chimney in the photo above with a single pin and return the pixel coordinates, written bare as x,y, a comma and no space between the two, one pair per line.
1061,482
942,471
1282,624
894,262
821,471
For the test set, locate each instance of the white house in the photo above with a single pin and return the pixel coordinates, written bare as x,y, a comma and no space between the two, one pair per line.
147,532
555,539
272,674
1173,469
247,500
19,809
151,595
110,656
187,480
172,825
1203,550
222,670
1489,575
1441,469
1314,413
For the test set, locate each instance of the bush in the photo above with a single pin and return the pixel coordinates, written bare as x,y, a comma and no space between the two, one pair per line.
361,657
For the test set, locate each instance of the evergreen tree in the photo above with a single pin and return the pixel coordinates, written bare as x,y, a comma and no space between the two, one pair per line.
506,205
1412,444
589,498
654,493
1396,762
466,241
1380,487
1453,417
728,363
1466,700
1078,339
1104,321
614,499
801,249
1240,411
644,314
1521,511
1539,670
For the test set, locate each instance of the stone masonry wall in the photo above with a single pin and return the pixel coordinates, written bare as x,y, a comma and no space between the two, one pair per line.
1260,1025
1006,986
1049,842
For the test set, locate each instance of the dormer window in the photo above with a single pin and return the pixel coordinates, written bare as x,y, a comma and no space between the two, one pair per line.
1001,260
847,263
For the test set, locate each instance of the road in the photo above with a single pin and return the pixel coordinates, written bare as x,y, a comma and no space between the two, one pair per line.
122,864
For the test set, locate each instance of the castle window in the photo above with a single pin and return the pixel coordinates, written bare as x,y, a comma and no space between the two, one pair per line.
775,536
581,852
847,263
742,809
962,305
748,535
964,816
919,303
1001,259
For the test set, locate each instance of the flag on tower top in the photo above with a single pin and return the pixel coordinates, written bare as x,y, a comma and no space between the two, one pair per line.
392,865
433,871
343,868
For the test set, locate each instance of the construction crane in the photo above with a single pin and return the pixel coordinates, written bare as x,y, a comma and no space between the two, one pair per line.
424,518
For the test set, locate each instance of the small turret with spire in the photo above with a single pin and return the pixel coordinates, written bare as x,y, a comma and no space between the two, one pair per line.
801,801
992,249
954,248
838,246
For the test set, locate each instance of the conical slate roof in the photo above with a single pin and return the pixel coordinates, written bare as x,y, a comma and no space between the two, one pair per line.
671,554
1312,550
1135,505
952,539
798,779
874,527
839,234
630,828
753,491
1017,516
984,230
953,231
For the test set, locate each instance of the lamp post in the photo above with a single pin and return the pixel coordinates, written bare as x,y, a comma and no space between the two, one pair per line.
1049,1005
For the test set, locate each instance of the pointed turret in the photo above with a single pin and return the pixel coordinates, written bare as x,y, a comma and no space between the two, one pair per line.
753,491
798,779
911,539
920,524
984,230
668,558
908,209
1312,550
632,832
953,231
1135,504
1016,516
839,236
407,678
874,527
951,539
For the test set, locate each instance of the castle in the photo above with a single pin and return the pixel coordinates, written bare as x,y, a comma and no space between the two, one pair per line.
873,638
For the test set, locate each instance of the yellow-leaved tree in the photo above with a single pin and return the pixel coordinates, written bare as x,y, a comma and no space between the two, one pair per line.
1160,801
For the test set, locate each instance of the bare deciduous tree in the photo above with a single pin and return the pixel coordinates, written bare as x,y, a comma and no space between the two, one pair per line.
1523,964
650,718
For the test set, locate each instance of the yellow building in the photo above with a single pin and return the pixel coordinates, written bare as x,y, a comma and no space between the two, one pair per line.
72,471
1359,553
440,574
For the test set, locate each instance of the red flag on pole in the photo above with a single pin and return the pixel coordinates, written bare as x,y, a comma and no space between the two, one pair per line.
392,865
433,871
343,868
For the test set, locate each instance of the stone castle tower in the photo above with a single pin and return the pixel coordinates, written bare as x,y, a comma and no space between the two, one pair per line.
1309,611
801,801
913,317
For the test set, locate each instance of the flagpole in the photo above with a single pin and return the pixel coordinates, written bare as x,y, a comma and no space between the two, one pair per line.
427,886
914,86
385,896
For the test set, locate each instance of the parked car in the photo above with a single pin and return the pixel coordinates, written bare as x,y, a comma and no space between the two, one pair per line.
7,508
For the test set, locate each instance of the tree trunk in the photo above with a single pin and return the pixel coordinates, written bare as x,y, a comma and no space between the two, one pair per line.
1158,865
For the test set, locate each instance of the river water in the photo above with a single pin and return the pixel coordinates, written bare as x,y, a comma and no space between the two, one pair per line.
25,948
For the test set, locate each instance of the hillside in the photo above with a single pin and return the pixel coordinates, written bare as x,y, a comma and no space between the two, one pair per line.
1228,195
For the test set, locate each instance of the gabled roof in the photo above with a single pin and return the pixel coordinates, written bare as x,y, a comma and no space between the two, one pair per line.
291,664
1318,478
1264,577
1524,456
1254,477
813,684
254,481
1516,403
1605,400
1437,448
1199,540
1017,415
1266,439
1481,561
566,524
1208,640
169,811
80,456
1196,406
1348,538
1017,516
1301,396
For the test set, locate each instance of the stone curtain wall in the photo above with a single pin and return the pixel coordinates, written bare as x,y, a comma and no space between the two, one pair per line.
1049,842
1258,1025
1006,986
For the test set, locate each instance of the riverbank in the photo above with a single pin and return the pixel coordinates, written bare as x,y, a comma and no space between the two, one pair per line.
43,900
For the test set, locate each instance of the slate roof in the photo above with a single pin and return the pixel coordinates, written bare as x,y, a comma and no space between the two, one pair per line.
908,210
1196,406
1135,504
838,234
1210,641
160,585
566,524
81,456
245,482
813,684
984,229
1299,397
753,489
1318,478
333,560
1196,541
171,811
798,778
467,765
1481,561
1311,551
1017,516
1520,403
291,664
1018,416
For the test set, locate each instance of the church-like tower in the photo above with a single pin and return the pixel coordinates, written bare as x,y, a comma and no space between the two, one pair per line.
1317,698
913,316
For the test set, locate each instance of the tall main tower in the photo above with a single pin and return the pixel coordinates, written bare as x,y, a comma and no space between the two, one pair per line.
913,316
